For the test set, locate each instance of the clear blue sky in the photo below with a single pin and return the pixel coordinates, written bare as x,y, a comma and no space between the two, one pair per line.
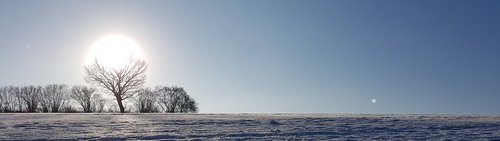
328,56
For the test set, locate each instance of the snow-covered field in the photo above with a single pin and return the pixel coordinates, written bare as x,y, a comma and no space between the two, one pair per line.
247,126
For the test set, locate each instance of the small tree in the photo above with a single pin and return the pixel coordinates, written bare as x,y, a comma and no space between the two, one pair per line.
29,95
175,100
83,96
99,102
121,82
53,97
146,101
5,100
10,100
43,99
15,92
187,104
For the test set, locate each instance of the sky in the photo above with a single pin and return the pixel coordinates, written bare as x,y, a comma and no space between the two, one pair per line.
275,56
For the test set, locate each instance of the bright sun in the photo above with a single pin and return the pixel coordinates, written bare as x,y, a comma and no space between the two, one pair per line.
114,51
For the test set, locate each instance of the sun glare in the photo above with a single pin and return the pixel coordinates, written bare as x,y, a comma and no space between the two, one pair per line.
114,51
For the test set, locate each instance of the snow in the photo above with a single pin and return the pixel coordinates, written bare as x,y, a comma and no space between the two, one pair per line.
248,126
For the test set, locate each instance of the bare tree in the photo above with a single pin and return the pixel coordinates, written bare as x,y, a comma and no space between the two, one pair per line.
167,98
18,102
175,100
121,82
146,101
59,96
44,101
187,104
53,97
50,94
29,95
98,103
5,99
83,96
3,95
9,100
112,108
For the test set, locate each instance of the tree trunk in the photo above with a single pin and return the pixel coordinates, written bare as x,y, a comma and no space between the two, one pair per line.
120,105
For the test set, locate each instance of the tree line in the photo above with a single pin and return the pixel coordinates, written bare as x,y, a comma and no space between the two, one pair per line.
123,83
61,98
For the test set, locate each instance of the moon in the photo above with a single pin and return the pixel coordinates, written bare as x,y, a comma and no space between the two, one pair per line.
114,51
374,100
